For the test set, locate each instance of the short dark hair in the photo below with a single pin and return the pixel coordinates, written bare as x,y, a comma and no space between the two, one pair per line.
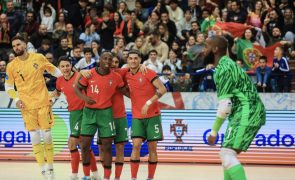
18,38
46,42
152,51
263,57
134,51
63,58
166,67
87,50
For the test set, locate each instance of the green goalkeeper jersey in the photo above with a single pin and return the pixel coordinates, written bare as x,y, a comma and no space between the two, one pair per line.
233,82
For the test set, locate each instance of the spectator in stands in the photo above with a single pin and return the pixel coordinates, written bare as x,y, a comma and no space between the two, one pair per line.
45,47
87,62
120,47
281,71
177,48
175,12
183,83
263,73
15,18
195,10
135,19
11,57
240,63
184,25
122,8
153,41
138,45
152,23
119,25
75,58
254,16
72,35
61,22
2,74
167,78
48,15
63,49
130,29
106,31
89,35
153,62
141,13
275,37
195,30
169,23
5,35
236,14
96,49
165,34
173,62
30,25
92,17
77,13
195,52
271,19
38,36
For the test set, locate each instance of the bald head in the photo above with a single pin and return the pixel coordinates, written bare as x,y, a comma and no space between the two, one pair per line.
220,42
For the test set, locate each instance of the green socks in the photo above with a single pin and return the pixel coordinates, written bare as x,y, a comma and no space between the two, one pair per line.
235,173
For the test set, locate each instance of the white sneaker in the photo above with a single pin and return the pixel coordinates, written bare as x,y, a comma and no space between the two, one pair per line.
74,177
44,175
96,177
50,175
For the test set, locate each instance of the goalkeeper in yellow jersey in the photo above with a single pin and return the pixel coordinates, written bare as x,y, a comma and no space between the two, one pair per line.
25,72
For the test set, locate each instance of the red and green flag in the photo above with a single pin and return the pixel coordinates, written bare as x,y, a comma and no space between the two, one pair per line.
250,53
236,29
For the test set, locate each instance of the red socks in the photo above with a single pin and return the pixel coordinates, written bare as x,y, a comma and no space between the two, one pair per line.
134,168
152,169
118,169
75,160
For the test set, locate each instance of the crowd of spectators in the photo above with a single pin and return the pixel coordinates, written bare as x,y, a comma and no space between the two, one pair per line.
170,35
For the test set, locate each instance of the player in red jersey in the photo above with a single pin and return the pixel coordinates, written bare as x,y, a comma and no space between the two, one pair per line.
120,124
145,90
98,114
64,84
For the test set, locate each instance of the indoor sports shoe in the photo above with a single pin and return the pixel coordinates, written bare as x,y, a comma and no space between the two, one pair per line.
44,175
50,175
85,178
93,177
74,177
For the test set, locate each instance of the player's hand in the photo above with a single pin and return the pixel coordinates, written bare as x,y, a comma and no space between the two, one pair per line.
86,73
89,100
144,110
20,104
143,69
211,140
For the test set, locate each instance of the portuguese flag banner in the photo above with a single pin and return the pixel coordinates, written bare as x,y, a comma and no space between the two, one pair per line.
250,53
236,29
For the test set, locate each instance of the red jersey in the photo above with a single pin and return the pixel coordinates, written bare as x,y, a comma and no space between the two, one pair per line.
141,90
67,88
101,88
118,98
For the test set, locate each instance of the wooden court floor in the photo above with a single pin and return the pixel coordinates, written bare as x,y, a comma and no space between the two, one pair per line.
28,170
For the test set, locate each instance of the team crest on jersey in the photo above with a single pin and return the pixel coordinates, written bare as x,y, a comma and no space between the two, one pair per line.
35,65
111,82
6,77
140,80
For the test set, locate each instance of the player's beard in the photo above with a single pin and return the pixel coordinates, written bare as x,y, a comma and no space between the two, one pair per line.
209,58
20,53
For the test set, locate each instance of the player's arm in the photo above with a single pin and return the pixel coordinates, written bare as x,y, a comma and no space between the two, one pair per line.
50,68
223,110
9,87
125,90
54,94
81,86
160,91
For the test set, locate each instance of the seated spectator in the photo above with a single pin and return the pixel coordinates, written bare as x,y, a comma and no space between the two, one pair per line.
280,71
49,79
75,58
30,25
45,47
240,63
89,35
87,62
173,62
63,49
167,78
184,25
183,83
236,14
119,25
96,49
153,62
37,37
263,73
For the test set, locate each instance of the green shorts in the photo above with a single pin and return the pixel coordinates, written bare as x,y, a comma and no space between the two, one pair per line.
98,119
239,137
121,131
75,122
148,128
